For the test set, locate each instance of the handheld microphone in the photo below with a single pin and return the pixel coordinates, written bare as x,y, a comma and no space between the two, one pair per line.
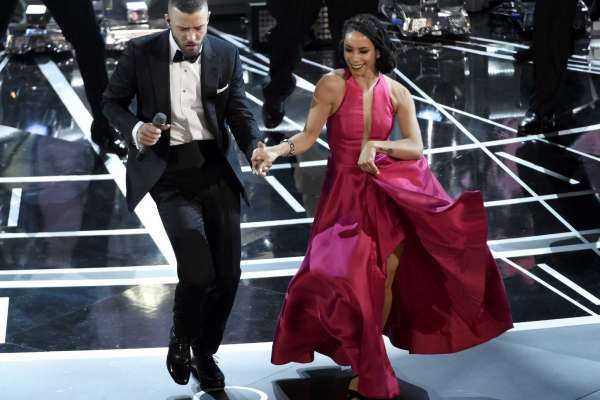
159,120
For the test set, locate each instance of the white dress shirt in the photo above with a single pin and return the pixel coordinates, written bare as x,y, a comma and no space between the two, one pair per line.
187,113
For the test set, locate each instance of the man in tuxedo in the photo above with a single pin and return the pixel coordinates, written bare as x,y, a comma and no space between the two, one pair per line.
190,167
77,22
552,45
287,38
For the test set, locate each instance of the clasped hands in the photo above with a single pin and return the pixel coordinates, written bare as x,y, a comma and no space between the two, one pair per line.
262,159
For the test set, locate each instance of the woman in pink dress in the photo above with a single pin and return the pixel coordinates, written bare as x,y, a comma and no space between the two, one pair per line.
389,252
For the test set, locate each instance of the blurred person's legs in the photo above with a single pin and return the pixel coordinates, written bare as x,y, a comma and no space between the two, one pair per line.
286,39
78,23
8,10
524,55
552,43
294,20
595,10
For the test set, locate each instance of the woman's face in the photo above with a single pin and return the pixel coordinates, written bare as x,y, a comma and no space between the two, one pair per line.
359,53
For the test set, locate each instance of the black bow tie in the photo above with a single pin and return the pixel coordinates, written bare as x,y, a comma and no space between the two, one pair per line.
179,57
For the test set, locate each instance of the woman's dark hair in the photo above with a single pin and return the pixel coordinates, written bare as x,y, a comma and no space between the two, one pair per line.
370,26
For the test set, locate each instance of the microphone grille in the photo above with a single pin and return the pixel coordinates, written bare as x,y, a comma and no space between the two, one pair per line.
159,119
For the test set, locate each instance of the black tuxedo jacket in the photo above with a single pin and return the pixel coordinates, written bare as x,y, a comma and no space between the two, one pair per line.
143,73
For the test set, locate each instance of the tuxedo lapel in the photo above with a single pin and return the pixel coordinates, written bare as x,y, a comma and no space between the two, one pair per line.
209,81
159,65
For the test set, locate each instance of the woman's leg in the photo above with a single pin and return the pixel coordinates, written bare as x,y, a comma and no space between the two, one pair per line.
392,266
353,383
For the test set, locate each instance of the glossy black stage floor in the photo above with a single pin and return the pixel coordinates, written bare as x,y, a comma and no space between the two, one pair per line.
86,288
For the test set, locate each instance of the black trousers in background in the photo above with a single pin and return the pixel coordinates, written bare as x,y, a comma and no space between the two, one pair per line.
294,20
552,41
78,23
200,210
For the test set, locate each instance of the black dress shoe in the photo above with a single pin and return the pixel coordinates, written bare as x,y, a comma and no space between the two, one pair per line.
207,372
273,109
272,113
524,55
534,123
109,140
179,360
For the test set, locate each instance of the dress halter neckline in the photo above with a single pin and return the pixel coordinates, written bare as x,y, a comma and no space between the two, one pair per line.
349,77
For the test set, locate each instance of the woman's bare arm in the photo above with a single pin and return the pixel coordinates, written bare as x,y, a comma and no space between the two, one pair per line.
327,95
410,147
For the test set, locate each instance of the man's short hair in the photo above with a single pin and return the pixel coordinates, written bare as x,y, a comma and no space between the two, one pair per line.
188,6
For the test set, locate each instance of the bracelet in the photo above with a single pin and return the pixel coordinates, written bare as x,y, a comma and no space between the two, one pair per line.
292,151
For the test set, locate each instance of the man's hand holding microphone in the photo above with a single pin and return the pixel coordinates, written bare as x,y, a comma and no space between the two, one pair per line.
149,133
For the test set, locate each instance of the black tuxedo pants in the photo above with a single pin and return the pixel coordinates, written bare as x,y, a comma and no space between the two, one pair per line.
552,42
294,20
200,210
78,23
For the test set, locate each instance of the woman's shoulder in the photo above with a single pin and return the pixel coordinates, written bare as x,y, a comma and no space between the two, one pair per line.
396,87
398,92
336,77
332,83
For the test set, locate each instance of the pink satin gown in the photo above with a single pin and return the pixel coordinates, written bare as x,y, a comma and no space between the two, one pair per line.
448,294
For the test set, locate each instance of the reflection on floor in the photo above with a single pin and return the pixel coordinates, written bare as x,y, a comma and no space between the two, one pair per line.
522,364
79,272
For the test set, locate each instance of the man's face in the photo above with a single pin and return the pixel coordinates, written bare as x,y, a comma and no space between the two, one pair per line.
188,29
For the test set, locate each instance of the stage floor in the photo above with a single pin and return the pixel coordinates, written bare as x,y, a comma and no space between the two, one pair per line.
78,272
527,363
